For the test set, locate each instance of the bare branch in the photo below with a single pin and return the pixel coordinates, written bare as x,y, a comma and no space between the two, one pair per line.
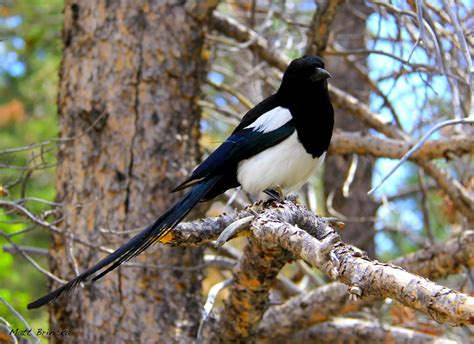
433,262
233,229
41,145
18,315
211,299
318,33
353,142
232,28
201,9
26,249
348,265
241,33
345,330
223,87
421,24
420,143
31,260
248,296
205,230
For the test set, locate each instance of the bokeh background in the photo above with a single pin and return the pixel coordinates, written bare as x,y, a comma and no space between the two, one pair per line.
412,84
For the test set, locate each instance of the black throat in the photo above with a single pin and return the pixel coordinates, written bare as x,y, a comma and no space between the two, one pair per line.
313,115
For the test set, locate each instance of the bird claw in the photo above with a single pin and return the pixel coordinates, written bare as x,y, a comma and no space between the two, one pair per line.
275,193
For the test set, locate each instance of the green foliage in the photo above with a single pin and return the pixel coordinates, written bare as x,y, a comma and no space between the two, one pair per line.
30,52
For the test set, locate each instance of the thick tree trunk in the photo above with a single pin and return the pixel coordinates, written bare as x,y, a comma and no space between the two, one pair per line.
349,32
133,70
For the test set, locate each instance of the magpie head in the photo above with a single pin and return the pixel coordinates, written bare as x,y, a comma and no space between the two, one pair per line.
305,71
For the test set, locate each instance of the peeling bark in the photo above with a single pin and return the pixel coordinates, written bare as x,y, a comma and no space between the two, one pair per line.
359,331
248,295
320,246
333,299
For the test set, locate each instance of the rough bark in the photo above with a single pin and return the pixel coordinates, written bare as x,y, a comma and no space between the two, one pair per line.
355,143
349,32
134,70
321,304
315,242
248,296
360,331
320,27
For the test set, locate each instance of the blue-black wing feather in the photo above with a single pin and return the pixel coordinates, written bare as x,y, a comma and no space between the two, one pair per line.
241,145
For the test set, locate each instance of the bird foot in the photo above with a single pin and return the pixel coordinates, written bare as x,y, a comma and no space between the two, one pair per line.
275,193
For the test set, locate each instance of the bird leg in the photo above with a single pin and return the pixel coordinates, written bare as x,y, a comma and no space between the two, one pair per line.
275,193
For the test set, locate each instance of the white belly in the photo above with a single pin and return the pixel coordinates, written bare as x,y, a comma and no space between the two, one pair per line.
286,164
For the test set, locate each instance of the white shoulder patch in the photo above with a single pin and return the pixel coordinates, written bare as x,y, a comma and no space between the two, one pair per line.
271,120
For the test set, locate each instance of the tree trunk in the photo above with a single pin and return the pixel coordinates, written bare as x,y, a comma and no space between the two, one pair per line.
130,76
348,30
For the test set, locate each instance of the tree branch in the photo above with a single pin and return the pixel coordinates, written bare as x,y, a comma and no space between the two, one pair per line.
248,297
420,144
241,33
345,330
353,142
318,33
348,265
198,232
321,304
201,9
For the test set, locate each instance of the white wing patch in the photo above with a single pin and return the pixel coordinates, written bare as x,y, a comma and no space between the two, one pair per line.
271,120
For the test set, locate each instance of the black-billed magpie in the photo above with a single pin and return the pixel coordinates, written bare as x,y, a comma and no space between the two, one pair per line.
276,147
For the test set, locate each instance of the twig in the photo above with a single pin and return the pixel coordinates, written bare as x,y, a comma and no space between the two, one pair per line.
18,315
421,24
59,140
211,298
346,330
419,144
350,175
31,260
222,87
27,249
26,213
233,229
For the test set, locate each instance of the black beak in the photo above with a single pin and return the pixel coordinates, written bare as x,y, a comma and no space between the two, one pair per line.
320,74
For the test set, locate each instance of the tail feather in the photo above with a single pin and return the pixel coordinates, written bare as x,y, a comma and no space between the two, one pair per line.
137,244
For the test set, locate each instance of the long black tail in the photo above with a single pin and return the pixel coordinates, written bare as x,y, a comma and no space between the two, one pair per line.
138,243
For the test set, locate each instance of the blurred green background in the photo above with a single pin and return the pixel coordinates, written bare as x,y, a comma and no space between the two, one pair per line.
30,53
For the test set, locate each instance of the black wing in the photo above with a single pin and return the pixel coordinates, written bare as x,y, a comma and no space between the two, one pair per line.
241,145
